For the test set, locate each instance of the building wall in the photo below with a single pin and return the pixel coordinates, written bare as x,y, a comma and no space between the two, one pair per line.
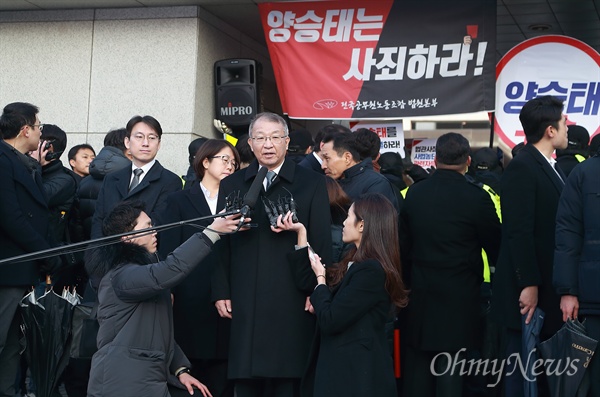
90,71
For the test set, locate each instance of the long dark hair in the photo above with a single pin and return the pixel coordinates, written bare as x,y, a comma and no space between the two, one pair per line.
379,241
339,201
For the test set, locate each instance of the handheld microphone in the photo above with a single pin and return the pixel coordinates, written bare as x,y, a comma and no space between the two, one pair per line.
252,196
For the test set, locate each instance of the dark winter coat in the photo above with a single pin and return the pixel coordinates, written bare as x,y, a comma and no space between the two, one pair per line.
24,222
530,193
444,223
362,178
137,354
577,254
203,335
271,332
152,190
109,159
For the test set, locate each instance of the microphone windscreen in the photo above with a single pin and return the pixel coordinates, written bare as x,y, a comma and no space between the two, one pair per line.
252,196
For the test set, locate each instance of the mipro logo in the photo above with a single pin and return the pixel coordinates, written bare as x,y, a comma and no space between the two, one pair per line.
236,110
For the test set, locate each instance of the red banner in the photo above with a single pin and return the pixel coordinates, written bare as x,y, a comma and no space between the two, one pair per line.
357,59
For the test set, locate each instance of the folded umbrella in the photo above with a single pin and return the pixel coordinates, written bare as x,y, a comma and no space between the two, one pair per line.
530,340
571,351
47,329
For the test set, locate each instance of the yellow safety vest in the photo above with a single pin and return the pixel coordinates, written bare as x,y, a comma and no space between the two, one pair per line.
496,200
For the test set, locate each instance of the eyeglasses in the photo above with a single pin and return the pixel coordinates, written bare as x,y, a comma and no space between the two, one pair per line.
226,160
40,126
275,139
140,137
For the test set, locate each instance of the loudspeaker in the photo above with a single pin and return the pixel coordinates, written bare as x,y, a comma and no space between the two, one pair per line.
237,91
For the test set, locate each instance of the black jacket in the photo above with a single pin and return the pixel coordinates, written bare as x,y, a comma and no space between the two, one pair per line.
567,161
445,222
351,356
109,159
60,185
205,335
577,253
362,178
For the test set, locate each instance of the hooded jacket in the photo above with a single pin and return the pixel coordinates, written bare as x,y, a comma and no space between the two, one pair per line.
108,160
137,354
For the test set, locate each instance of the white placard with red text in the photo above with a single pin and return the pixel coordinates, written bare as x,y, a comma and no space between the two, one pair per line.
391,135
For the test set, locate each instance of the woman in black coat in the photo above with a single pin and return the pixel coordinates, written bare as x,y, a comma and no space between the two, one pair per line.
203,336
351,355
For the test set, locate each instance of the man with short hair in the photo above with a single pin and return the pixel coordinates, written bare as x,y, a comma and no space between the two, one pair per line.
60,183
314,160
531,188
145,180
24,227
341,161
80,157
301,144
445,222
255,286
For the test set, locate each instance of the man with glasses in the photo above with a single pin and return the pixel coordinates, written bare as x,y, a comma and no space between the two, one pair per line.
24,227
255,286
145,180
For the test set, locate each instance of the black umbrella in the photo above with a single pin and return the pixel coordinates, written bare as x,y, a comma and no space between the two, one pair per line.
47,329
571,349
530,338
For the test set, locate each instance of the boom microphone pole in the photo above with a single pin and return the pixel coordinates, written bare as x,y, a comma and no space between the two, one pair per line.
98,242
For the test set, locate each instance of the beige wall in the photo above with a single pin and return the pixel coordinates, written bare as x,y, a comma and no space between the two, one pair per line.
89,71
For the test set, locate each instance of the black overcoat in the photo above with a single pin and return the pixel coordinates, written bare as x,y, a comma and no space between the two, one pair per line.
270,331
152,190
24,219
445,222
531,189
199,330
351,356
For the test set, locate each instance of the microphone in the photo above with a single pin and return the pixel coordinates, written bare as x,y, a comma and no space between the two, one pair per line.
252,196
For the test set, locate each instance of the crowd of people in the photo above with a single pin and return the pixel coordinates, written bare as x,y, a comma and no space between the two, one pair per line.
352,272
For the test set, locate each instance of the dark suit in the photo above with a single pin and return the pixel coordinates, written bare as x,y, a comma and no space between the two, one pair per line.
24,228
199,330
530,193
309,161
351,355
445,222
152,190
270,331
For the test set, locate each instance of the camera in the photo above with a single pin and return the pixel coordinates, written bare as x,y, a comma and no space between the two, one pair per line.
51,155
48,144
